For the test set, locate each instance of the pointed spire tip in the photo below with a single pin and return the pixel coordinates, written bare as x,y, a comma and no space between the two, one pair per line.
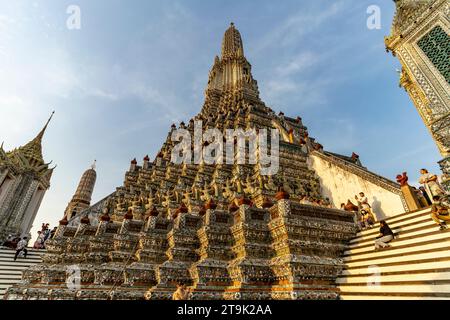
41,134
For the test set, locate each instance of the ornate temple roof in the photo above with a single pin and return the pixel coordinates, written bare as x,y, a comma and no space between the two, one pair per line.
29,156
33,149
406,13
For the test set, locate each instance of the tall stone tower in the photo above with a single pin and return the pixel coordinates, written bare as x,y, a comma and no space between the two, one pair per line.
24,179
230,79
420,40
82,197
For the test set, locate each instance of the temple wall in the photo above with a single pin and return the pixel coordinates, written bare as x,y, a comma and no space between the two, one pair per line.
4,186
340,184
32,209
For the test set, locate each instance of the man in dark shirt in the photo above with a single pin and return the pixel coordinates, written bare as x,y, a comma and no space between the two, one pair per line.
386,235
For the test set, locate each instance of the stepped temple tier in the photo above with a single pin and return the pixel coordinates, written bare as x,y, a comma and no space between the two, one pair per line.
24,179
224,230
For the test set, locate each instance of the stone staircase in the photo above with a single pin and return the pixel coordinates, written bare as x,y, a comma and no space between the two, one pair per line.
11,271
416,266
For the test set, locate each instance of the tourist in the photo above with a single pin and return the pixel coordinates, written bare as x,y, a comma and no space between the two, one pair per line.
425,195
386,235
39,243
363,202
182,293
342,206
11,241
420,197
367,220
440,211
430,183
47,231
7,242
21,246
52,233
350,207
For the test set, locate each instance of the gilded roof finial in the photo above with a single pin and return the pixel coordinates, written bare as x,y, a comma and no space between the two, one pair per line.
232,43
41,133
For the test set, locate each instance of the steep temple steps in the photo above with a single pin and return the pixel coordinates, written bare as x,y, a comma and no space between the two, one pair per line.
11,271
416,266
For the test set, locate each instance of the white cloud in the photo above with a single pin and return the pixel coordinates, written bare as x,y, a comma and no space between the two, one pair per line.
100,93
410,154
294,27
295,71
299,63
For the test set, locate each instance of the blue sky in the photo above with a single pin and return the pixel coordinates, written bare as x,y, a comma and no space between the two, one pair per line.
135,67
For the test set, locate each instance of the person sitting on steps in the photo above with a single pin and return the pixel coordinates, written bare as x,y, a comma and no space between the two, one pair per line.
386,235
367,220
11,242
440,211
365,209
39,243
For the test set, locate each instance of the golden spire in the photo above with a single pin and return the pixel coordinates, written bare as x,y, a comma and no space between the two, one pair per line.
232,43
41,133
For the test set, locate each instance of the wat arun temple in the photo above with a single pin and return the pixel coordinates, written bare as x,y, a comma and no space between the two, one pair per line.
227,231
